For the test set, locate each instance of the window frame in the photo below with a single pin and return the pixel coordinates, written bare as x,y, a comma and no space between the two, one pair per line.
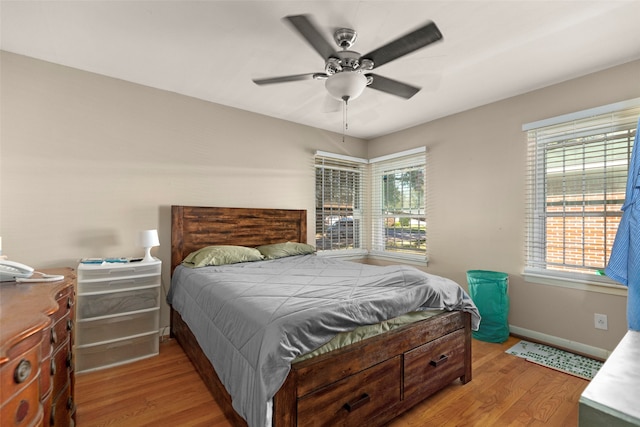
341,164
381,167
367,232
587,123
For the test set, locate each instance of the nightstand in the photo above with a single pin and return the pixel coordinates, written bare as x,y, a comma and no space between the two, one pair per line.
117,313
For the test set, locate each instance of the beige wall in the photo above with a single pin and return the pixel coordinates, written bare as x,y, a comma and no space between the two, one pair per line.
476,184
87,161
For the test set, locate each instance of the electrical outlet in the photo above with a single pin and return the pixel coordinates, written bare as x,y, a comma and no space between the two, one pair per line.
600,321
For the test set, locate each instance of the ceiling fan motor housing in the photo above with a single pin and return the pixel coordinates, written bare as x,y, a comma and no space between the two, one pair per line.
347,60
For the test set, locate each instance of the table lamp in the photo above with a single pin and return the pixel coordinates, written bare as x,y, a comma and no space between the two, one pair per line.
148,239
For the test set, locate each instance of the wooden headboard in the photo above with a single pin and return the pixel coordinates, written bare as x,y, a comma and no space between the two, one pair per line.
194,227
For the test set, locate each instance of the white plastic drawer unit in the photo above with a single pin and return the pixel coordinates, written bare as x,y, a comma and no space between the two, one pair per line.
117,313
108,328
119,302
118,352
117,270
109,285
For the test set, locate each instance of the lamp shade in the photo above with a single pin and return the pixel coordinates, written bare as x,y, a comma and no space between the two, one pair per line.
148,238
347,84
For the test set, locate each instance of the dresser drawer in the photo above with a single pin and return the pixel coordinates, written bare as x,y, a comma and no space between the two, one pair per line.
109,328
61,367
110,303
114,284
116,352
61,330
24,409
45,371
438,362
22,368
64,299
117,270
355,400
62,408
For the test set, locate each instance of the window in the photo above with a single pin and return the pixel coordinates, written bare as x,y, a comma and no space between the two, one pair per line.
339,188
577,172
398,205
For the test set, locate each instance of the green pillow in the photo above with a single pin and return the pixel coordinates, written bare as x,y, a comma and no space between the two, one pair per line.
281,250
221,255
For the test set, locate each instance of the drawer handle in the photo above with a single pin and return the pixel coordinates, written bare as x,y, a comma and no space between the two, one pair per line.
351,406
69,302
69,325
53,368
54,336
440,361
22,372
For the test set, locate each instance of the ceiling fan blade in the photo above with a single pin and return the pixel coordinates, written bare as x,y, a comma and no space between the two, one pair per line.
284,79
404,45
309,31
393,87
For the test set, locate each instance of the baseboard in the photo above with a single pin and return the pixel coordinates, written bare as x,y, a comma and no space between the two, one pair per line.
564,344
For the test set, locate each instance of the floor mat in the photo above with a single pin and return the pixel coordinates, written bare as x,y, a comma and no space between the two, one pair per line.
560,360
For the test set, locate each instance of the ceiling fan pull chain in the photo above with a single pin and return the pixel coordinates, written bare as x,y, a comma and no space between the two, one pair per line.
345,116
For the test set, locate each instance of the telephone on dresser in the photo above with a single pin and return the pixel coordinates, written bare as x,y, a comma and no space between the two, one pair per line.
14,271
10,270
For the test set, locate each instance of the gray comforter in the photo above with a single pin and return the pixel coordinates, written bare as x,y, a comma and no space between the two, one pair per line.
252,319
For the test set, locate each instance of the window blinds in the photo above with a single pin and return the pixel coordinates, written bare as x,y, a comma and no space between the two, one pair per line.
576,177
398,217
339,182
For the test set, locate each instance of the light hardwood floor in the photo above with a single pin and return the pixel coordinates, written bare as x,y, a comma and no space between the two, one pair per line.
166,391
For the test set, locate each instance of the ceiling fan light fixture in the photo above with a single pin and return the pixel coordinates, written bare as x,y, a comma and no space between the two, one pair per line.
347,85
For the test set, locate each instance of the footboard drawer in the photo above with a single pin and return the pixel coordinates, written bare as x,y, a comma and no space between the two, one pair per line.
355,400
431,366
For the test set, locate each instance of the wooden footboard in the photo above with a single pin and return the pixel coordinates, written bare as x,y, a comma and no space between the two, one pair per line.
369,382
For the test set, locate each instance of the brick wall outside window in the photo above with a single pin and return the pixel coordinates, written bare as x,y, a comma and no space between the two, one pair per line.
579,240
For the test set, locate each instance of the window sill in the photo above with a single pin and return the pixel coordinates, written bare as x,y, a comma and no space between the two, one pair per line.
346,254
361,255
417,260
582,282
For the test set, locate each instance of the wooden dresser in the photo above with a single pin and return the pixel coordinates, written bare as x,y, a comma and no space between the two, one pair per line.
36,364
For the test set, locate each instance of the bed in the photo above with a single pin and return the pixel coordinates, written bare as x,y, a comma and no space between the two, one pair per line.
368,382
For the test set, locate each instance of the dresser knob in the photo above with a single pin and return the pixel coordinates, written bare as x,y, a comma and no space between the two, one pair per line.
22,372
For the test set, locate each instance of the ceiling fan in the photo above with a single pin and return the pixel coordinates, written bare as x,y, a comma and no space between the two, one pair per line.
346,72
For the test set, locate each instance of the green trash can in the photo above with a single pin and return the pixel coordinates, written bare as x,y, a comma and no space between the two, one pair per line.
488,290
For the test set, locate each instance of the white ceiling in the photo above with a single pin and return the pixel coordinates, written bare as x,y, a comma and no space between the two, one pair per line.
211,50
